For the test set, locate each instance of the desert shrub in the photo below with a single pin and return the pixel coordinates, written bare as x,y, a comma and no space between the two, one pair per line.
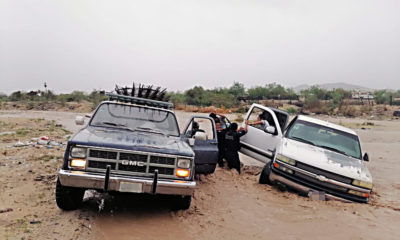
95,97
176,98
311,101
348,111
238,119
242,109
291,110
365,109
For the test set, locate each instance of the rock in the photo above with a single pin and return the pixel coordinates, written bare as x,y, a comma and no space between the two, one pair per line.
35,222
6,210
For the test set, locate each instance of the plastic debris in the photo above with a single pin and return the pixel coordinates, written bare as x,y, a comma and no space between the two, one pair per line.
42,142
21,144
7,133
46,138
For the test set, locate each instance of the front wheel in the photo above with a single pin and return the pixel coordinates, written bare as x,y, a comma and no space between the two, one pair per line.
68,198
182,202
264,176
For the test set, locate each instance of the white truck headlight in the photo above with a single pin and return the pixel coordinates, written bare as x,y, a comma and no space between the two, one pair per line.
285,159
362,184
78,152
183,163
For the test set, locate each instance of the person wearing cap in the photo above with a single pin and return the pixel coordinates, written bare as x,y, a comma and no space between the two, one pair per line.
221,129
195,129
232,145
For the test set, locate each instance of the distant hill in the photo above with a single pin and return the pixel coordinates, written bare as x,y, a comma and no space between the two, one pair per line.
331,86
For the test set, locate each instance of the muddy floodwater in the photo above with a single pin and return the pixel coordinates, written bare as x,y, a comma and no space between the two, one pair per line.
225,205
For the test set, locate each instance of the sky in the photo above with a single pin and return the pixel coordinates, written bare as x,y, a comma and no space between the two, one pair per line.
178,44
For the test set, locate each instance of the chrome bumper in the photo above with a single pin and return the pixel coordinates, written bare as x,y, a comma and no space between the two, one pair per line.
96,181
273,177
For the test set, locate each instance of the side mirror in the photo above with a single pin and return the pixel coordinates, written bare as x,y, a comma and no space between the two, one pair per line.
79,120
366,157
191,142
270,130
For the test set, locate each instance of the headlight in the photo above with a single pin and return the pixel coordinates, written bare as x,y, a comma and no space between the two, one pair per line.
285,159
183,163
78,152
283,168
182,173
362,184
78,163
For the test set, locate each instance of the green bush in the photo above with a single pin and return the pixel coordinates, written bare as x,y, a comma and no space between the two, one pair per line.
291,110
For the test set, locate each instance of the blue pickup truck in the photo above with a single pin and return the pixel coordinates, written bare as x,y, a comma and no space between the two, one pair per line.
134,145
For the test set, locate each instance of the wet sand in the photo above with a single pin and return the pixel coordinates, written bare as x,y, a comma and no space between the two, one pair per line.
231,206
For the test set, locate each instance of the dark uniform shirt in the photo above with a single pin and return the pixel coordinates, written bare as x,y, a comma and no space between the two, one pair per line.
232,140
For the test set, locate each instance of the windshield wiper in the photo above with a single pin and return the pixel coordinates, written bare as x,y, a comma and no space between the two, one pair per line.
333,149
146,129
118,126
113,124
302,140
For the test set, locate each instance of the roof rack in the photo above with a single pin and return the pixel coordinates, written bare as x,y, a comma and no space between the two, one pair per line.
139,101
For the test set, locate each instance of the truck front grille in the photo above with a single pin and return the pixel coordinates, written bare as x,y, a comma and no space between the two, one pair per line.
327,174
131,163
102,154
101,165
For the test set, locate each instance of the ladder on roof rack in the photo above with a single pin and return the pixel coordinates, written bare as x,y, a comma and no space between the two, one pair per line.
139,101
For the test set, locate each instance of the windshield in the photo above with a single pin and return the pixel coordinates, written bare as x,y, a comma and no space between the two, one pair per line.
135,118
325,137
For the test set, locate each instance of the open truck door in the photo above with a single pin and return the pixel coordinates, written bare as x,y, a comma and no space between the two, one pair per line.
201,134
261,140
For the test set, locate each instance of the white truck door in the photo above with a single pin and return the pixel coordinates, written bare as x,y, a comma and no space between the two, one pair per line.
260,142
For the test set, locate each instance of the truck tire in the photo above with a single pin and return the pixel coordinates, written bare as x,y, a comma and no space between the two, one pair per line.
68,198
182,202
264,176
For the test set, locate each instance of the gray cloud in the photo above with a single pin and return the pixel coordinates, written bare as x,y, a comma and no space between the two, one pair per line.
178,44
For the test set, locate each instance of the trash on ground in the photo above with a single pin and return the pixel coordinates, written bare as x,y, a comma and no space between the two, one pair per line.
7,133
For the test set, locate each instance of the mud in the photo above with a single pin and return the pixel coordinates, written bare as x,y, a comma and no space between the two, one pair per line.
225,205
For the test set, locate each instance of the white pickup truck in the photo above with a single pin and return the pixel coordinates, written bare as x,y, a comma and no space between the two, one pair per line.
308,155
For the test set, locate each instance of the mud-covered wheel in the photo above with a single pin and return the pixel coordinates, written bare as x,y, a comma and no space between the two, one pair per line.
68,198
264,176
182,202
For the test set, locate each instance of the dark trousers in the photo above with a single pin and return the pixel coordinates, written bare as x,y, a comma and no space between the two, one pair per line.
220,156
232,157
220,136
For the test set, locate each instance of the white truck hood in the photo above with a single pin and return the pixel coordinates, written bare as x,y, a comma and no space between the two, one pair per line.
325,159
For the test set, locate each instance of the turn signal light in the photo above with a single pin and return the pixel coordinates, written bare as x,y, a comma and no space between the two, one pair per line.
182,172
78,163
361,194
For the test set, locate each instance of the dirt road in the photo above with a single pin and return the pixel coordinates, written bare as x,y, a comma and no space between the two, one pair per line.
225,205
